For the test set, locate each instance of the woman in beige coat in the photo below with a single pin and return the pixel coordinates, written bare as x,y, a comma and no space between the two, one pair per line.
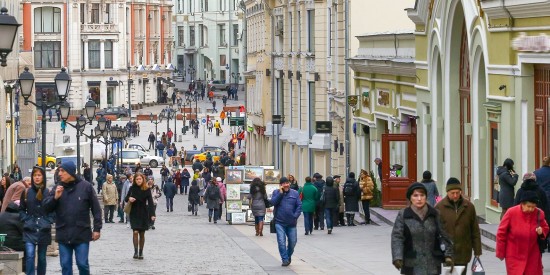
110,198
367,187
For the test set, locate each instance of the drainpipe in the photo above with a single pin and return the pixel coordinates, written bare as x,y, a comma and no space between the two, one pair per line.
347,92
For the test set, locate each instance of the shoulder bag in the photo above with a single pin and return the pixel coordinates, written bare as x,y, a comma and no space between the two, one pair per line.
128,207
543,243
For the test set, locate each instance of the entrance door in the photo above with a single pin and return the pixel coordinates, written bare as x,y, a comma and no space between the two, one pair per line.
542,96
398,168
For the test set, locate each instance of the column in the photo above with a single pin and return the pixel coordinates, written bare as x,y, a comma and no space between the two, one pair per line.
102,54
86,63
115,54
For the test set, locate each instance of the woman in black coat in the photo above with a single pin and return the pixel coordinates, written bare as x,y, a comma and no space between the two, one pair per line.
194,198
352,194
143,210
185,176
331,201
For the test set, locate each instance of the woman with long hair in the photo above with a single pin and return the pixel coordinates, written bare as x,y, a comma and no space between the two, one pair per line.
257,199
4,185
194,197
143,211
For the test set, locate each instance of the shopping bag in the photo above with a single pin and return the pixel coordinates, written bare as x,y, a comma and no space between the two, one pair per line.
189,207
477,267
128,208
457,270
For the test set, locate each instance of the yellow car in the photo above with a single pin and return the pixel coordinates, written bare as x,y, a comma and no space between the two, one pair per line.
202,156
50,161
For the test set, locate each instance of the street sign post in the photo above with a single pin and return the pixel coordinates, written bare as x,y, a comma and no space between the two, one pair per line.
236,121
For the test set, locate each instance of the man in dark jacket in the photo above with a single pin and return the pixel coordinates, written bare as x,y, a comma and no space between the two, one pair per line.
147,171
507,179
319,217
12,226
197,165
169,189
543,176
288,208
72,200
330,200
352,194
459,220
151,140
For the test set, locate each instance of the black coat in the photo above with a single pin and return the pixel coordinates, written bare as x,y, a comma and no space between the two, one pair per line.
332,197
507,183
352,200
11,225
194,197
169,189
37,223
185,176
143,208
72,212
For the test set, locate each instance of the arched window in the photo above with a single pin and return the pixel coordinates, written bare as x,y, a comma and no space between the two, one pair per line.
47,20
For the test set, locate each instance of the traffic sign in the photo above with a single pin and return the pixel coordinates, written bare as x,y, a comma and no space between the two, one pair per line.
236,121
203,121
277,119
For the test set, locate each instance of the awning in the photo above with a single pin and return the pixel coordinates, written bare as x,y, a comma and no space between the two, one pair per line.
94,83
112,83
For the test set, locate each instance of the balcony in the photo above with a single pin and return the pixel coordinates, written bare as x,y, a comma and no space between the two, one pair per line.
98,28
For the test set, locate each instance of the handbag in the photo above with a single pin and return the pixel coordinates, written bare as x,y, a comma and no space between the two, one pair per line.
543,243
272,228
477,267
128,208
189,207
267,202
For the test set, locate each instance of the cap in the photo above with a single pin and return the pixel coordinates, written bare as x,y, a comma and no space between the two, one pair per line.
283,180
413,187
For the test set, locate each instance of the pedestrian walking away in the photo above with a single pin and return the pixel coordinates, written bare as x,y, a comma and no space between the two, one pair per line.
507,179
213,198
142,211
330,198
194,198
352,195
319,215
257,198
309,196
72,218
285,216
429,183
169,191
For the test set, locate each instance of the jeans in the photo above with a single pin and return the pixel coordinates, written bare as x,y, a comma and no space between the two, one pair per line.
109,211
99,186
319,219
213,211
284,232
81,251
120,212
183,189
308,221
30,249
220,209
170,204
328,216
366,205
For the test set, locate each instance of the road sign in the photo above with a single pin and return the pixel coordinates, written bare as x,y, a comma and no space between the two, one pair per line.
203,121
236,121
277,119
323,127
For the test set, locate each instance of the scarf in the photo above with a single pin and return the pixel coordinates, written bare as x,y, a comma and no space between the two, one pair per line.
39,188
420,212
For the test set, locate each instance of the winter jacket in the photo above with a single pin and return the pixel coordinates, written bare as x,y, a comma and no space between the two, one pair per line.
310,197
341,206
531,185
459,221
194,197
294,185
72,212
13,193
207,176
212,203
12,226
223,191
507,183
110,194
543,180
164,172
185,176
319,184
169,189
143,208
432,191
332,197
197,166
177,178
517,241
37,223
367,187
352,200
258,203
288,207
417,242
148,172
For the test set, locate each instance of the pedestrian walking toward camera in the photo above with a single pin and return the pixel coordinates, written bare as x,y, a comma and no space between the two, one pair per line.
459,220
330,198
185,178
419,244
72,201
151,139
169,189
309,196
293,182
319,215
213,199
14,191
530,184
101,176
256,200
222,114
156,194
429,183
125,189
110,199
210,126
285,216
507,179
164,172
194,198
367,188
37,228
339,215
142,211
352,194
214,110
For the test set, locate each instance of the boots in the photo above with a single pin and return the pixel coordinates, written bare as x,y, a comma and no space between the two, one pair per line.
261,228
352,216
140,254
257,227
135,253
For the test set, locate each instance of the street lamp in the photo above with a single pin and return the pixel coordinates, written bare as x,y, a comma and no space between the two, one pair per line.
236,77
80,125
155,121
62,87
129,90
8,32
191,70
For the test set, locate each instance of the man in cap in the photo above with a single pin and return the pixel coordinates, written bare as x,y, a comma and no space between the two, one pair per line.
288,208
459,220
72,200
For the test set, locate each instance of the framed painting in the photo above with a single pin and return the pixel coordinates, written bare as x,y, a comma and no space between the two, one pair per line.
233,191
249,216
272,176
234,206
244,199
245,188
238,218
233,176
269,188
251,173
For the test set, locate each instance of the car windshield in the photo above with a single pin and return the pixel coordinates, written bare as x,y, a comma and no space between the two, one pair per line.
130,154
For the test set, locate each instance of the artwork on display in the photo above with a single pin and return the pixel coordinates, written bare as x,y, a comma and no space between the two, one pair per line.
234,206
245,188
233,176
269,188
268,214
233,191
251,173
249,216
272,176
238,218
244,199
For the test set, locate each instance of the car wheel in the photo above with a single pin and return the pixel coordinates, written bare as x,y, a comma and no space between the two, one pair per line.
153,163
50,164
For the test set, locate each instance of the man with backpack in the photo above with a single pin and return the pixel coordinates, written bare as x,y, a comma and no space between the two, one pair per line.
214,198
352,194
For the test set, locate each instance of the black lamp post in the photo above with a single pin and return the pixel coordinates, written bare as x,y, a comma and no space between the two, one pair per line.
62,86
129,89
8,32
236,77
156,122
119,134
191,70
168,113
89,110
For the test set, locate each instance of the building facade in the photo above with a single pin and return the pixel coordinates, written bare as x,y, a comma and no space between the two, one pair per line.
209,40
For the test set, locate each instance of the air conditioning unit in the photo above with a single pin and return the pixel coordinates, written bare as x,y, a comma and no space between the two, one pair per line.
279,27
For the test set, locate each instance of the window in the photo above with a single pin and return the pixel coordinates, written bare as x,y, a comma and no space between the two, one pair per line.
202,35
82,13
47,54
95,94
108,49
493,162
180,36
330,34
310,31
191,36
95,13
223,60
235,35
107,13
223,41
47,20
205,5
93,54
222,74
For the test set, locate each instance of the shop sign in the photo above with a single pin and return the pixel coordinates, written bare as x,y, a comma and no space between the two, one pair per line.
525,43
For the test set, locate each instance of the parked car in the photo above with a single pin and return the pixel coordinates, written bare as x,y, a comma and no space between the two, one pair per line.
202,156
153,161
130,157
50,160
218,85
117,111
136,146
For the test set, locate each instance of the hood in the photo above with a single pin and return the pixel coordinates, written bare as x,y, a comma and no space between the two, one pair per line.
529,184
39,169
501,170
350,180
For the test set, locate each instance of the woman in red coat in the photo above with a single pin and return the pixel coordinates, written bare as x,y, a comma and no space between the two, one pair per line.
517,237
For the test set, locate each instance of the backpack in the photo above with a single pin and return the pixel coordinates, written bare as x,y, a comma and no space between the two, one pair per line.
348,189
214,193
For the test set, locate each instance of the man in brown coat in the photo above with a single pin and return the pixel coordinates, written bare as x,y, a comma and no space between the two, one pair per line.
459,220
14,192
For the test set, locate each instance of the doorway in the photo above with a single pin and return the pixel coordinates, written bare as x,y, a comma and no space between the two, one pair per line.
398,168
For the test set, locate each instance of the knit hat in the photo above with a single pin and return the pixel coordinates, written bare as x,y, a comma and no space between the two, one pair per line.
529,176
529,196
283,180
413,187
453,183
317,176
69,167
218,179
427,175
